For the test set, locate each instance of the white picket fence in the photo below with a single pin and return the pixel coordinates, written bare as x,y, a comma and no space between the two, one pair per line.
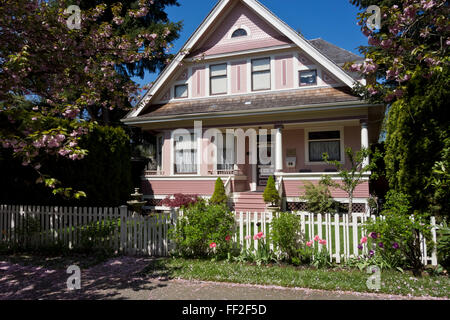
114,228
341,232
118,229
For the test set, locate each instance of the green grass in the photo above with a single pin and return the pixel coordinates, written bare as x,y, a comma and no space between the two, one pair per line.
392,282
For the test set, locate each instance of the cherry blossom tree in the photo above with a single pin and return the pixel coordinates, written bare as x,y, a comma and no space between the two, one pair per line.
51,74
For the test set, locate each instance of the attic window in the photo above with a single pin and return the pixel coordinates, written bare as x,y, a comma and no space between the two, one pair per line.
239,33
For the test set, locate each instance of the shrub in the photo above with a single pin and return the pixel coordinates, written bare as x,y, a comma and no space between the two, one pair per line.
204,230
104,174
219,196
286,234
318,198
443,245
270,194
179,200
396,237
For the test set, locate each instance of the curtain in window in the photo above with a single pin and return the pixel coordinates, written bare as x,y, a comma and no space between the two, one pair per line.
226,158
318,148
185,156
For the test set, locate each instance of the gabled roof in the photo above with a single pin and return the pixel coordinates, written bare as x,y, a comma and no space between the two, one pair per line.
270,18
336,54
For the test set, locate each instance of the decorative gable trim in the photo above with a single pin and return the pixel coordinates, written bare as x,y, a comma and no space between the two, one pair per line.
267,15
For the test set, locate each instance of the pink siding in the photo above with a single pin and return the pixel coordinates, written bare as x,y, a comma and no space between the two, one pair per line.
166,153
284,72
170,187
295,139
198,82
239,77
295,188
261,34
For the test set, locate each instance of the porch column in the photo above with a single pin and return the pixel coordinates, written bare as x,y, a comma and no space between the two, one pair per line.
365,139
279,149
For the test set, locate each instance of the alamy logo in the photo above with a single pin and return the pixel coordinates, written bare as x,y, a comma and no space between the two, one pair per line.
374,281
74,281
374,21
74,21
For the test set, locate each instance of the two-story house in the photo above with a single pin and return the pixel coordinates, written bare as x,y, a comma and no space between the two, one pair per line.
248,97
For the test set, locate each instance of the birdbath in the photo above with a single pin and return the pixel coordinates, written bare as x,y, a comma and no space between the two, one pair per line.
136,202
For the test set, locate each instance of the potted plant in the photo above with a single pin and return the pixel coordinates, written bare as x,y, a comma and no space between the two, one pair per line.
271,196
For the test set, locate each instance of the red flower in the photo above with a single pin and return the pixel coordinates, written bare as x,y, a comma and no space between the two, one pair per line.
227,238
213,245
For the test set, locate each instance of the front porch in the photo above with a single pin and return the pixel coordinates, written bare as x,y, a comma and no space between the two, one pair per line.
295,154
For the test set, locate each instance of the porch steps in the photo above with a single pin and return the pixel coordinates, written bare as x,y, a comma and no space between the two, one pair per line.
250,202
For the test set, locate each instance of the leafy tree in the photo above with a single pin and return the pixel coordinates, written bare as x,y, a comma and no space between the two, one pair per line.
318,198
350,178
270,194
219,196
50,72
407,66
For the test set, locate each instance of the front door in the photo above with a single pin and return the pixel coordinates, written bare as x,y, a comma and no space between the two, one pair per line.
264,169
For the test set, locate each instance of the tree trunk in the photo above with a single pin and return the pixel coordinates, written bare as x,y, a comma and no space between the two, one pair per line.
350,203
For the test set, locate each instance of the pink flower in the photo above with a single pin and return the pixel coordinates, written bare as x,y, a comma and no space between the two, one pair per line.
323,242
227,238
309,243
248,237
213,245
316,238
255,237
363,240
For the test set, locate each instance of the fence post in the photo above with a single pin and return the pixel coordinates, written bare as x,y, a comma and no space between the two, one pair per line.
123,227
434,261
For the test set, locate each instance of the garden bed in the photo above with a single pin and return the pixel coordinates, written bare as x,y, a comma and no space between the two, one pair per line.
342,279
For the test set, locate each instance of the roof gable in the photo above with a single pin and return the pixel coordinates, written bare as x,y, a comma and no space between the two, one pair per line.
219,40
209,23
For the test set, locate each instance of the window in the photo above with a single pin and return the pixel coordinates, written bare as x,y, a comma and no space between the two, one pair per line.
226,154
261,74
159,147
185,154
324,142
239,33
218,78
308,78
181,91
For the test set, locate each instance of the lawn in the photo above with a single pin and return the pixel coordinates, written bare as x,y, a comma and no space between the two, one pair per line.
392,282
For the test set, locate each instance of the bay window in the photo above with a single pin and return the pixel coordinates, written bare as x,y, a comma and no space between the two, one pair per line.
320,142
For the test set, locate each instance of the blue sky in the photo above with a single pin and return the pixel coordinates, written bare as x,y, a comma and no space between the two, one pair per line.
331,20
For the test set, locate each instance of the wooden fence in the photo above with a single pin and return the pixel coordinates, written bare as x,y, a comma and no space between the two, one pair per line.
341,232
118,229
113,228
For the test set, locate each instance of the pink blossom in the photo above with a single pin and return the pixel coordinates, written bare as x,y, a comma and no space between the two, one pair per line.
363,240
213,245
248,237
323,242
309,243
316,238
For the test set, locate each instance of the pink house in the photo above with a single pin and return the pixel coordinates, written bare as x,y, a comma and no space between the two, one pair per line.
248,97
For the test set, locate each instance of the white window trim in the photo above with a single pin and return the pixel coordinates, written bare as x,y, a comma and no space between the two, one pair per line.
180,83
236,28
159,159
172,155
342,144
228,75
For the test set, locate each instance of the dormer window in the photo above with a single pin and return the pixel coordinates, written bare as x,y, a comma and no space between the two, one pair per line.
239,33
